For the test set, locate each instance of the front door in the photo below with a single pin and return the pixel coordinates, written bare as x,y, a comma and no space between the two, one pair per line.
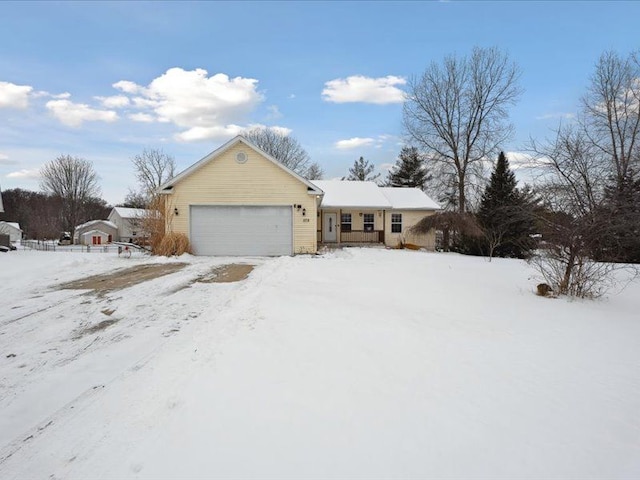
329,230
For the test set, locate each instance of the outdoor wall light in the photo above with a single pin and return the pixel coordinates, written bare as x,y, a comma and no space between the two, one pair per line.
175,211
304,212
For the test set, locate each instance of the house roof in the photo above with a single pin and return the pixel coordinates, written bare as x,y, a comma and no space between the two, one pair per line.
125,212
355,194
409,199
95,222
166,188
15,225
93,232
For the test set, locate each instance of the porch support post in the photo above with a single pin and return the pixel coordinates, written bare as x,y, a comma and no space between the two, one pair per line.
384,227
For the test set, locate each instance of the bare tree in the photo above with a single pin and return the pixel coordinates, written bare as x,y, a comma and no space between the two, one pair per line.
611,112
573,225
314,172
75,182
571,170
153,168
283,148
457,113
135,199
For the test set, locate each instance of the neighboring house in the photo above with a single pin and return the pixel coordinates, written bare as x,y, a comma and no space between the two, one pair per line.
12,229
129,223
238,200
109,229
95,237
353,212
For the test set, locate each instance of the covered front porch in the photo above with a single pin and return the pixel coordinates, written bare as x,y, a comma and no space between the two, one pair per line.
350,226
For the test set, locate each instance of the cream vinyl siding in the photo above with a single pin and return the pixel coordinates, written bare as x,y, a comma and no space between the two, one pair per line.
223,181
409,218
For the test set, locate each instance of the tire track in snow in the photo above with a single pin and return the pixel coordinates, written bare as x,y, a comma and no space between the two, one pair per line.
89,396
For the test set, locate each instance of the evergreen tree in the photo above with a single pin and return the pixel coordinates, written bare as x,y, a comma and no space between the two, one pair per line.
362,171
505,214
619,222
409,170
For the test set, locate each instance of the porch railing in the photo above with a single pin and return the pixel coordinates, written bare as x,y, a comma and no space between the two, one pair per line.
361,236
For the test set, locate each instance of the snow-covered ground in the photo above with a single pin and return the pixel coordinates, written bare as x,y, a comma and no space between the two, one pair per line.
361,363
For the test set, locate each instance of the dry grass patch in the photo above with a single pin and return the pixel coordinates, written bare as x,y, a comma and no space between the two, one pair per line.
123,278
173,244
234,272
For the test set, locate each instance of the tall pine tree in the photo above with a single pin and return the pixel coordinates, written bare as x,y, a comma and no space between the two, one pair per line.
409,170
505,214
619,222
362,171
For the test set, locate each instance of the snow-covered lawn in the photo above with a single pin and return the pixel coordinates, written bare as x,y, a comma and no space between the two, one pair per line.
362,363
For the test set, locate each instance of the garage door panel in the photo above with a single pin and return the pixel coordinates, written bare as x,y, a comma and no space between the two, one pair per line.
241,230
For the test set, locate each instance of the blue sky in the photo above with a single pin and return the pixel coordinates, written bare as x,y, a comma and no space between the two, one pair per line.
103,81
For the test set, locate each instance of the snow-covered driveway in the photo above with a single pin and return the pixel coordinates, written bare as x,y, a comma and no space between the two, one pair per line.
363,363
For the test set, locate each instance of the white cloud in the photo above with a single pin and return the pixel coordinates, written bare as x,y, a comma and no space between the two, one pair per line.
142,117
561,115
75,114
32,174
357,88
115,101
14,96
354,142
5,160
519,160
206,133
292,96
127,87
357,142
205,107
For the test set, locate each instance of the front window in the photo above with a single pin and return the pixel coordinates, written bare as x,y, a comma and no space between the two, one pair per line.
396,223
368,222
345,221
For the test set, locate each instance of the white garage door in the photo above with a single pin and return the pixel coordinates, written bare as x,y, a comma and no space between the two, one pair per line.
235,230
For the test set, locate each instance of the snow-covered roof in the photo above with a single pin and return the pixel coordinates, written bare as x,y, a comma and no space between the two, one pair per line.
15,225
345,193
409,199
125,212
355,194
94,232
95,222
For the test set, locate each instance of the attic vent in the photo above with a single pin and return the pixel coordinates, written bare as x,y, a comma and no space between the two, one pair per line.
241,157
